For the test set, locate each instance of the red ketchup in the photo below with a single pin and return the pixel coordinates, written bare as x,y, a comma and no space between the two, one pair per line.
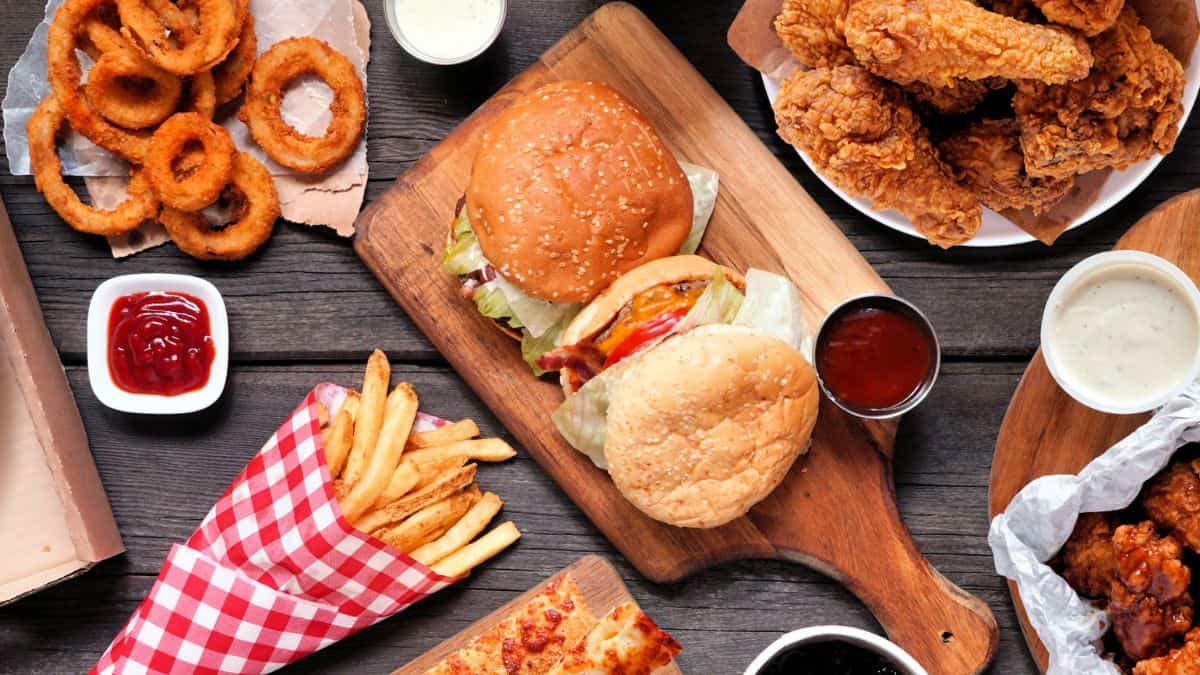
873,359
159,343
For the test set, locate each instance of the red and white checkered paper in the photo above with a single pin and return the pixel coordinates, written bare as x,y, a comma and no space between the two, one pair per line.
273,573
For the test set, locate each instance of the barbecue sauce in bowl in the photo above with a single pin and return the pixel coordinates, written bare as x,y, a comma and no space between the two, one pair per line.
827,658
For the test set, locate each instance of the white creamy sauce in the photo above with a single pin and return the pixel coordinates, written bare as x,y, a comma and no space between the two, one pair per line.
447,29
1126,333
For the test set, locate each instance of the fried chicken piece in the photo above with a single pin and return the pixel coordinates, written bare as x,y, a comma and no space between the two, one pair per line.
1089,561
1021,10
1172,500
861,134
959,98
812,30
1126,111
937,41
1148,601
986,157
1182,661
1090,17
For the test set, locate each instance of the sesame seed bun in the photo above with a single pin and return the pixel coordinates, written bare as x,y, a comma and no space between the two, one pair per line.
707,424
571,188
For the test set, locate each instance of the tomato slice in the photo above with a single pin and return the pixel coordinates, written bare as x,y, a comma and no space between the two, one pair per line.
657,327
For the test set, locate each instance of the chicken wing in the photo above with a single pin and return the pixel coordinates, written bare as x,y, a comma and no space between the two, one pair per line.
861,134
1172,500
986,157
936,41
1090,17
1089,561
812,30
1182,661
1126,111
1148,601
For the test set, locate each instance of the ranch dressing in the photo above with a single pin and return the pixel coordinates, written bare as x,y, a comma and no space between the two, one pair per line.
1124,334
448,30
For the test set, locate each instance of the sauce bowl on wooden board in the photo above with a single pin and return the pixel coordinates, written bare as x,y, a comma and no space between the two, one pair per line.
836,510
1045,430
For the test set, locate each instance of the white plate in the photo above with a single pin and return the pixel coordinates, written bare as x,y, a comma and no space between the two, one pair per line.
998,230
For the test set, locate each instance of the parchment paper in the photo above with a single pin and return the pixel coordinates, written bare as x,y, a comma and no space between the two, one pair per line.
1041,517
332,199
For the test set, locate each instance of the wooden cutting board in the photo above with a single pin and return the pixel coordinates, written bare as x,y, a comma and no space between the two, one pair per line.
598,582
836,510
1046,431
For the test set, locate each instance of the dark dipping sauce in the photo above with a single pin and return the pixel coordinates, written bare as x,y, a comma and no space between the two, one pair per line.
833,657
872,359
159,343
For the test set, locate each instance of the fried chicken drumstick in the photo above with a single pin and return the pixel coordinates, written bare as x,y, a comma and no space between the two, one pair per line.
937,41
861,134
1090,17
1148,602
986,157
812,30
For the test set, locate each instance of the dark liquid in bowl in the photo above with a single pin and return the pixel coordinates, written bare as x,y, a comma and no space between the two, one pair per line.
874,358
833,657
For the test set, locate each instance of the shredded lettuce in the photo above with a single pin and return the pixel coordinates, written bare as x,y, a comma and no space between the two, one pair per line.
704,183
773,307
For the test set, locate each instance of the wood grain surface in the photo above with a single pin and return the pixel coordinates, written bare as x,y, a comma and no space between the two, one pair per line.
838,500
598,583
305,310
1045,430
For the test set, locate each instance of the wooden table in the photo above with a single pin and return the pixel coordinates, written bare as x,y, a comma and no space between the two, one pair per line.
305,310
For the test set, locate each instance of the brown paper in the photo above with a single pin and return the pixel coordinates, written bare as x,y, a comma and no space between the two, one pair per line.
1174,24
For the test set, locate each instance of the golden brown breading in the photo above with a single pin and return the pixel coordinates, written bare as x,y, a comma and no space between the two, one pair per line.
1090,17
862,135
937,41
1172,500
1182,661
1089,561
1127,110
986,157
1148,602
811,29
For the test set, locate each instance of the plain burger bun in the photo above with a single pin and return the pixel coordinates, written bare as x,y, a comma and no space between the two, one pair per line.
573,187
707,424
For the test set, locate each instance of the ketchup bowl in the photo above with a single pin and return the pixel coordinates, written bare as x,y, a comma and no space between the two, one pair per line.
876,356
158,344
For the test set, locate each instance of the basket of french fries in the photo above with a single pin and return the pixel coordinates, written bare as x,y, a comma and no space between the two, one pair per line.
357,507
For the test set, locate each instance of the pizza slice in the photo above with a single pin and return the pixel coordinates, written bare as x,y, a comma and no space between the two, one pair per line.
626,641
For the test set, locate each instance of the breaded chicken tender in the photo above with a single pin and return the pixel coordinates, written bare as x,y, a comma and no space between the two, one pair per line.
986,158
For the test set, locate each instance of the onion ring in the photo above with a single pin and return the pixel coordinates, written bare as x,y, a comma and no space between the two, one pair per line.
100,31
42,131
257,209
202,95
65,74
130,91
232,73
199,185
275,69
183,51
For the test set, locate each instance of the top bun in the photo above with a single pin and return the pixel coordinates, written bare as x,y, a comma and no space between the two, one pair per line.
707,424
572,187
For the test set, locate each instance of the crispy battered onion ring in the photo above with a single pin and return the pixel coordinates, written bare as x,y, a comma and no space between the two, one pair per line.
275,69
130,91
256,206
42,131
198,186
231,74
65,74
202,95
100,31
183,51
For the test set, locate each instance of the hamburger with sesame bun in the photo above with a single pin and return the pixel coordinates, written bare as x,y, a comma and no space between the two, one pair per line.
571,187
691,385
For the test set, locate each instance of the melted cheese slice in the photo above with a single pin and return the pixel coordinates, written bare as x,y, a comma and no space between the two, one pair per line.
625,641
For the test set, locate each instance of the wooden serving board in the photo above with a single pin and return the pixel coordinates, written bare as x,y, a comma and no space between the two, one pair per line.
1045,430
836,510
598,582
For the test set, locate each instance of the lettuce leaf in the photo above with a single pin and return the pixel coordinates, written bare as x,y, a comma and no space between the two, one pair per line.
773,307
582,419
464,255
719,303
704,183
532,348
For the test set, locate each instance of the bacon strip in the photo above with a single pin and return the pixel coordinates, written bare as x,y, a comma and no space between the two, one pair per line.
585,361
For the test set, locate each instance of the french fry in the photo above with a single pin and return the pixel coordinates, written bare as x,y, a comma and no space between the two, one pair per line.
371,406
338,438
381,465
404,479
322,415
405,507
431,472
340,489
430,522
476,553
462,430
461,534
483,450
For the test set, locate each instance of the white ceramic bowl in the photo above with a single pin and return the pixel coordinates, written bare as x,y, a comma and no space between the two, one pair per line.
101,380
398,32
1069,282
1000,231
855,636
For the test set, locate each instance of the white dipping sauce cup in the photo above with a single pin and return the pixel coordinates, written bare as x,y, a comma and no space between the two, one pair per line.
399,33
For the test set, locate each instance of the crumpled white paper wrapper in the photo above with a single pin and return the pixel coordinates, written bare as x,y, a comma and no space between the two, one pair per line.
331,199
1042,515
